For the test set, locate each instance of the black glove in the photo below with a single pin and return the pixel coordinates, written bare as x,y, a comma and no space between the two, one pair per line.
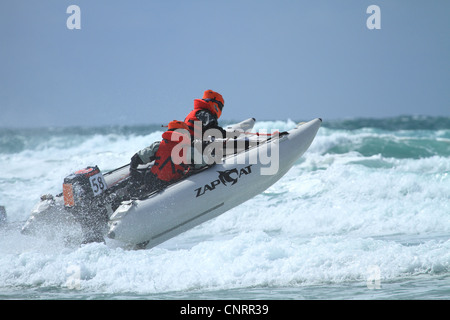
135,161
134,172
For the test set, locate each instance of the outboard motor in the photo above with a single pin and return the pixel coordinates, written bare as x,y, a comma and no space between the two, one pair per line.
82,193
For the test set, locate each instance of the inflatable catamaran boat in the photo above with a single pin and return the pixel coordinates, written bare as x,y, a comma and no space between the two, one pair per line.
89,198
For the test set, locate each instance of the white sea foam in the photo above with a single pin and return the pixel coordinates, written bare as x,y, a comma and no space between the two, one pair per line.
329,220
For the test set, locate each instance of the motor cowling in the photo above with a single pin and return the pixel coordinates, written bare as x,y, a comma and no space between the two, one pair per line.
83,185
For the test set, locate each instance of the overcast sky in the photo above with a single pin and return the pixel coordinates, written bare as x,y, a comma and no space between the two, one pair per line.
139,62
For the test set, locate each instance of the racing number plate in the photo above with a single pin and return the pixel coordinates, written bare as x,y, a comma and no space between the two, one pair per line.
98,184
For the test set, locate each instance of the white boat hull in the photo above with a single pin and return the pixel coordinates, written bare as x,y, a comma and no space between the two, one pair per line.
208,194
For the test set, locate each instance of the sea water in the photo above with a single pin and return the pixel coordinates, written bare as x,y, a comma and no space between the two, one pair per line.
363,214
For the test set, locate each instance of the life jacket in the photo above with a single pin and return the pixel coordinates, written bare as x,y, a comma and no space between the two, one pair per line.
200,104
164,168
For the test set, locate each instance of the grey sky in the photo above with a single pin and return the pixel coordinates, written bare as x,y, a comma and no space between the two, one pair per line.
138,62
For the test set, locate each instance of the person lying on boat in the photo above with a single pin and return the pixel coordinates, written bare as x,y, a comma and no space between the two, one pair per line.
203,123
166,169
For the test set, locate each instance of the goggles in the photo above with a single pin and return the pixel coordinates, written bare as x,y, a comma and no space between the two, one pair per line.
220,104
